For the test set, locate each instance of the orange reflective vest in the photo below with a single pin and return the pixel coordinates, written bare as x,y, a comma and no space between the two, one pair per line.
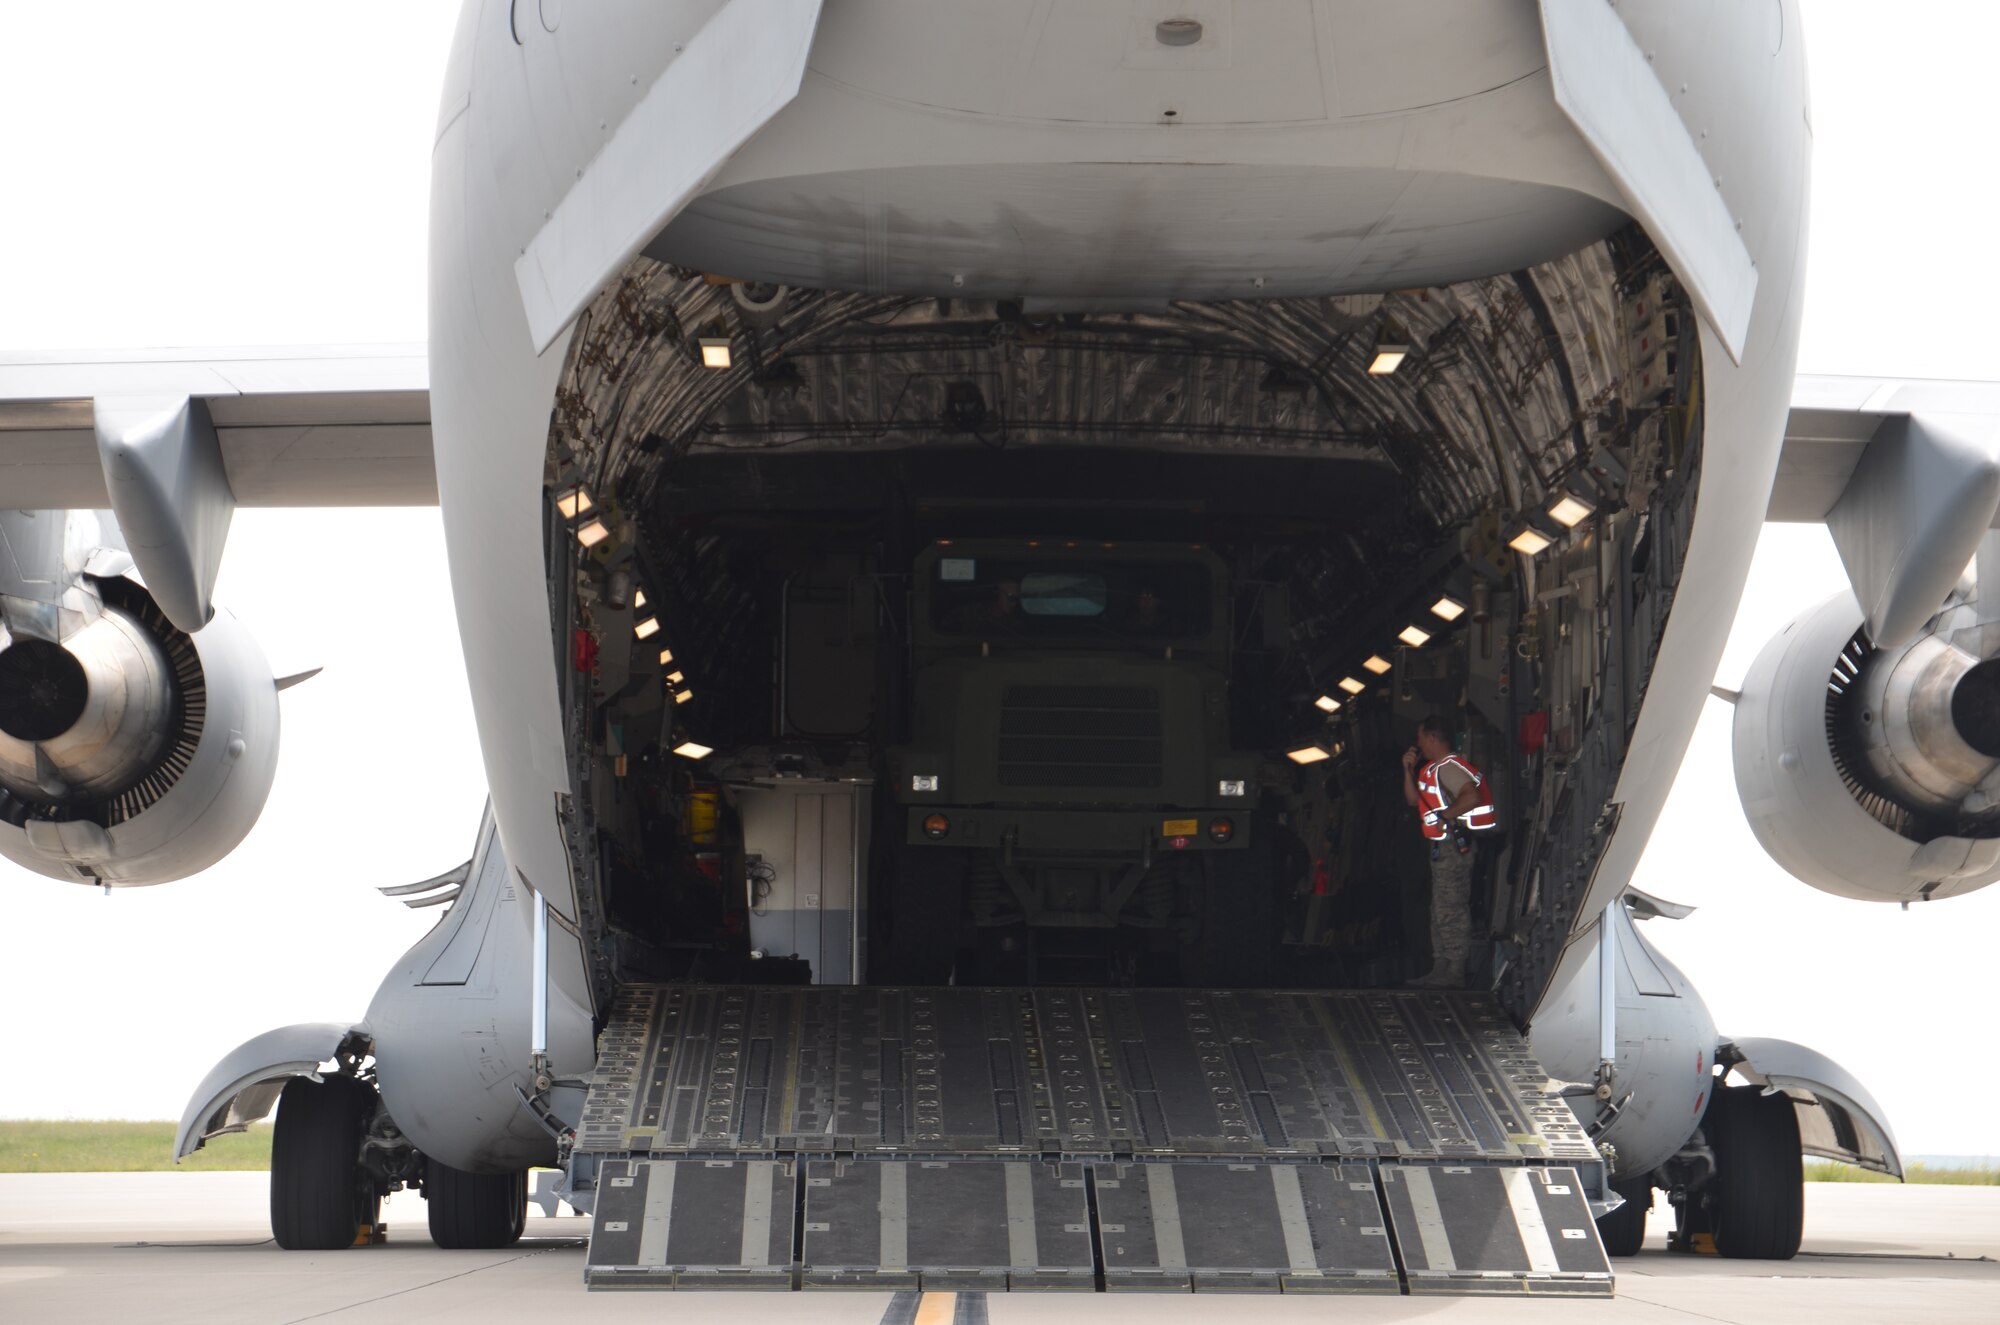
1431,796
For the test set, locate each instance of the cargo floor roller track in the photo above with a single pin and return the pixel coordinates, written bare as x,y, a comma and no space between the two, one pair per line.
1080,1139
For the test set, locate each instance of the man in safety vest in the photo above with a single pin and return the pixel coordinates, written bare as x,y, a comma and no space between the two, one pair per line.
1454,801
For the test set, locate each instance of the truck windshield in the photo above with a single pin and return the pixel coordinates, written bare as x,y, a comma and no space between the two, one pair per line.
1048,598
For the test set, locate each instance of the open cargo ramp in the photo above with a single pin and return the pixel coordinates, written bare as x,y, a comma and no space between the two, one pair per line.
1084,1139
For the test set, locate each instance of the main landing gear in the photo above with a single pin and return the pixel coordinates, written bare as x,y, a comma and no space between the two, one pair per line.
475,1211
322,1197
1624,1229
1756,1207
335,1153
1749,1204
1738,1188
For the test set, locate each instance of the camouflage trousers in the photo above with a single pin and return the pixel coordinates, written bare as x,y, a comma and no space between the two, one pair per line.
1451,913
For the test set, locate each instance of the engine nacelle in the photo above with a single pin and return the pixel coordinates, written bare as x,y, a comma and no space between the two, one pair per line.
1875,773
131,752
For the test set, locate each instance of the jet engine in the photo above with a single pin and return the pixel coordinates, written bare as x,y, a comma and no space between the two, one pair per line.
130,751
1875,773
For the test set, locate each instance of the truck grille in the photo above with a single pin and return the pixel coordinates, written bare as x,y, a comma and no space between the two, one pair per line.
1079,736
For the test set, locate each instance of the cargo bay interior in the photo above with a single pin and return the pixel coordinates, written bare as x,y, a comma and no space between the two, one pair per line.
769,507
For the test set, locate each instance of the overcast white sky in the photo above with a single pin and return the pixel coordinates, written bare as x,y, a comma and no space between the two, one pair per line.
206,174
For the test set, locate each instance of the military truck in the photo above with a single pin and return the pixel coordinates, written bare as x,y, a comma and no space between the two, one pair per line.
1070,804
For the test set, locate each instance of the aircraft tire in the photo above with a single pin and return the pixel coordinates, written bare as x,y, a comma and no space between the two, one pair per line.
1624,1229
321,1197
1758,1210
475,1211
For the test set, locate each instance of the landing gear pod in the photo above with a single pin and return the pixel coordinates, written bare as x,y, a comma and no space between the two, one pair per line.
1875,773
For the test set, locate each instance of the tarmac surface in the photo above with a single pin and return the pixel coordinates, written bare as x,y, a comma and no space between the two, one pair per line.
195,1247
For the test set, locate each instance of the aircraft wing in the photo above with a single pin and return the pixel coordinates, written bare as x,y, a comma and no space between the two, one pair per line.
332,426
1906,476
1833,420
350,426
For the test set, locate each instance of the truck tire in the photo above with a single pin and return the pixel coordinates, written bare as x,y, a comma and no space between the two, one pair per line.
1757,1211
1623,1231
475,1211
1239,933
925,905
321,1197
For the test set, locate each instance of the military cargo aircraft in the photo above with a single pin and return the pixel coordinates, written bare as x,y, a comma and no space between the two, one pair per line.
955,512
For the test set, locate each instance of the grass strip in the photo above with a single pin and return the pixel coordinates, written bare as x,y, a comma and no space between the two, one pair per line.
100,1146
1983,1175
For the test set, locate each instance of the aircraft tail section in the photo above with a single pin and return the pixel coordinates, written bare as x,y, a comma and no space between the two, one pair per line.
1297,1141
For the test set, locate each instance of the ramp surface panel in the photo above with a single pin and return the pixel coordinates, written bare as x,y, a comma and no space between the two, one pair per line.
937,1224
692,1224
1490,1229
1126,1140
1070,1073
1242,1228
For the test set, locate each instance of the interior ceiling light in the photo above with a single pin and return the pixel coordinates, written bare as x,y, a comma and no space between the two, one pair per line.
648,628
1309,754
1351,686
666,657
683,696
592,532
1568,509
675,678
638,598
1448,608
693,750
1414,636
1392,346
714,351
574,501
1376,663
1530,542
1327,704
